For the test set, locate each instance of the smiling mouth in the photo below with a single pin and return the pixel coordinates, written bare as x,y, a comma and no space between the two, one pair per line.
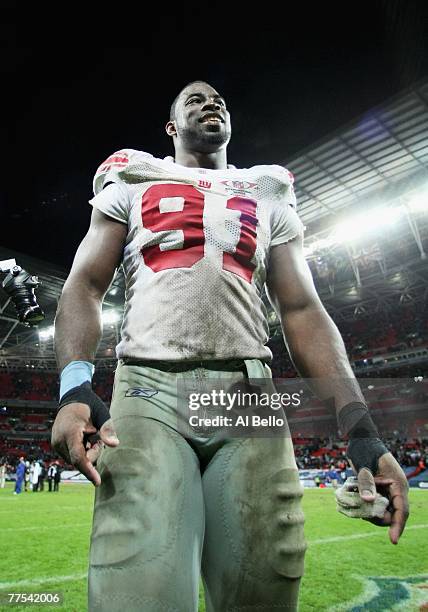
211,119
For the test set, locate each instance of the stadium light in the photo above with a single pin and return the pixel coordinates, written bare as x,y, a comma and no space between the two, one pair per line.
419,203
371,221
110,316
46,333
375,220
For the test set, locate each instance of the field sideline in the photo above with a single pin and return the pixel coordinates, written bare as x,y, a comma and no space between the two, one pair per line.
350,565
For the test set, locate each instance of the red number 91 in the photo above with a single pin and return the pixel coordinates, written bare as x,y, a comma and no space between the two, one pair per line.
190,221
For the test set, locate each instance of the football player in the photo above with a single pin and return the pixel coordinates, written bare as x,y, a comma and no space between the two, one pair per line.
198,240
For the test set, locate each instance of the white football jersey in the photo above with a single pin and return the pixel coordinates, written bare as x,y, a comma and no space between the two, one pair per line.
196,253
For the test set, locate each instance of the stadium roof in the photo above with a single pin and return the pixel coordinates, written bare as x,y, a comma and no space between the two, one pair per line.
380,159
381,155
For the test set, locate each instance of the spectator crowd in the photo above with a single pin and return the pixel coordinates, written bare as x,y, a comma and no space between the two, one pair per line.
25,430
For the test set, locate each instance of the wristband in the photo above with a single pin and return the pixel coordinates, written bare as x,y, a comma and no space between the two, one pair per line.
83,394
74,374
354,420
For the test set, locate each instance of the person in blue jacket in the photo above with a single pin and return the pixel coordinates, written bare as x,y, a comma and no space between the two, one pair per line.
20,473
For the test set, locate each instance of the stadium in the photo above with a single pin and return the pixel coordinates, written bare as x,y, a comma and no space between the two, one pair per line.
362,194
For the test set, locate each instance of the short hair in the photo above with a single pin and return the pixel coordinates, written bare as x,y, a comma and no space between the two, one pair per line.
174,104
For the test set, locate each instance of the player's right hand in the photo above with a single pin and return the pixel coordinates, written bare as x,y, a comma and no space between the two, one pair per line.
70,430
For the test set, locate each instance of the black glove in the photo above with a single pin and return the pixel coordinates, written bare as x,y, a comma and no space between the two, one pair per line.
365,447
366,452
84,394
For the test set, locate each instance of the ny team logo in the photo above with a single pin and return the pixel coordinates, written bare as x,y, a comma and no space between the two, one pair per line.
389,594
204,184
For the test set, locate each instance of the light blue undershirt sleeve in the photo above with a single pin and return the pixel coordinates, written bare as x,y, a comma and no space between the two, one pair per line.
74,374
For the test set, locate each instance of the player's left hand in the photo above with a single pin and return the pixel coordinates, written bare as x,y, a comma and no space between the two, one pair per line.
391,482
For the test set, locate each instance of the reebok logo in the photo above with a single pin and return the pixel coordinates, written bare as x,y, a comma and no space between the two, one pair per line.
140,392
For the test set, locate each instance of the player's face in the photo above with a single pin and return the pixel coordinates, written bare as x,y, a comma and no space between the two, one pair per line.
202,121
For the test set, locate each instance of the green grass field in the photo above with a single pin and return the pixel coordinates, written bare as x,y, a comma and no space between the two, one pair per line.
45,538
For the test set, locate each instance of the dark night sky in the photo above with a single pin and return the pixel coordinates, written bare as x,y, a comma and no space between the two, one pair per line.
288,83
